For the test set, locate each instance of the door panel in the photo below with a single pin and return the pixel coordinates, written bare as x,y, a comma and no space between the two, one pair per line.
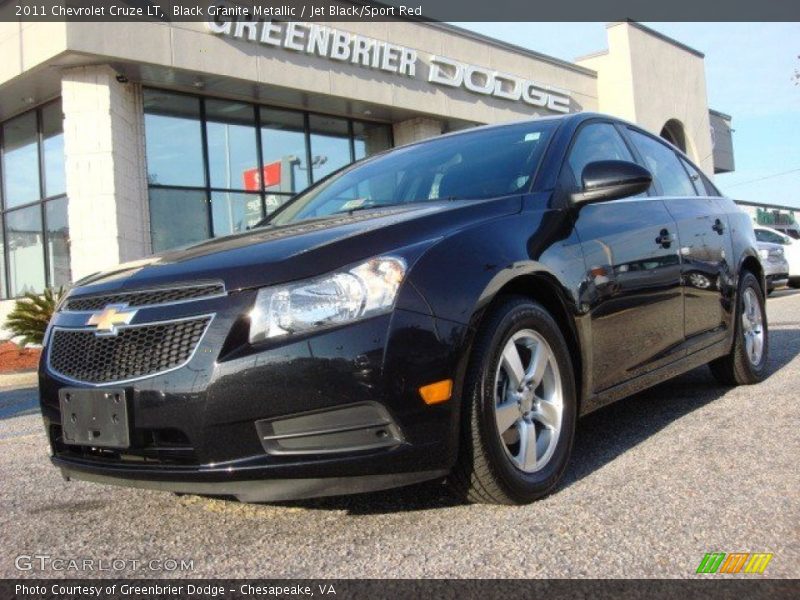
705,250
632,288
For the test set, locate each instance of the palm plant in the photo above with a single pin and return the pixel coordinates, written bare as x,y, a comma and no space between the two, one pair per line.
31,315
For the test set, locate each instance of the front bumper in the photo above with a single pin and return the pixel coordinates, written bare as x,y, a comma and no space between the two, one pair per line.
265,490
777,280
195,430
776,272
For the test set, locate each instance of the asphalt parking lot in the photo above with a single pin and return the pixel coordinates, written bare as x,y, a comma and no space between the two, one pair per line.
655,482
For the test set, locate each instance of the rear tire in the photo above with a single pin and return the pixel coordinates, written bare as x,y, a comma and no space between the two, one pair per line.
747,361
519,408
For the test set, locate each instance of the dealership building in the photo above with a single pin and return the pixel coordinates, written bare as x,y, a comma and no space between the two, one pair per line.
118,140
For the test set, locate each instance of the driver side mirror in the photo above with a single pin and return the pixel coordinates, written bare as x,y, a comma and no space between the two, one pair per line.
605,180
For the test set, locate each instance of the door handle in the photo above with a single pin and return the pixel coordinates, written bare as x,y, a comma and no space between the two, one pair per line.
718,227
665,238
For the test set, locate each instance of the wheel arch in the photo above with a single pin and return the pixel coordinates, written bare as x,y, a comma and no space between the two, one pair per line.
752,264
543,288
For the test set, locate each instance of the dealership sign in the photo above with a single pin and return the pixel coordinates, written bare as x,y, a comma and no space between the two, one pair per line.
371,53
267,176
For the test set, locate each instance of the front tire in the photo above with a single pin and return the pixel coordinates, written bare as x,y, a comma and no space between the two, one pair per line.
746,363
520,407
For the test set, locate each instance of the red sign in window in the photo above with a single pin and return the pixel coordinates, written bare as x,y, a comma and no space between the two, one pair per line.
270,174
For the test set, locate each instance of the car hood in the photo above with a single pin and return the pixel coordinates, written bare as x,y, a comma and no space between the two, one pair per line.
768,246
276,254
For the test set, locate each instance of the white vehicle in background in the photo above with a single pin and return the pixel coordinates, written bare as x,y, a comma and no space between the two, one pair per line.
791,250
776,267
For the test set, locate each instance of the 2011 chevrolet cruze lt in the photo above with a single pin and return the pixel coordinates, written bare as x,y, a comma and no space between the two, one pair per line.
443,310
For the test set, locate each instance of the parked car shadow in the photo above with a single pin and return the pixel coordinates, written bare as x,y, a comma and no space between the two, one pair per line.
18,402
600,438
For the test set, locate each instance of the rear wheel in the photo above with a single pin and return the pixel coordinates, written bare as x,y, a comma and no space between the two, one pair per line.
520,407
747,360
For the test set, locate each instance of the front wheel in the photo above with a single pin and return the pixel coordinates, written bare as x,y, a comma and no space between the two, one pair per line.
520,407
747,361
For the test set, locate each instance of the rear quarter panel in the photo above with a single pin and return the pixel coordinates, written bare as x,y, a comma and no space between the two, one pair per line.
743,238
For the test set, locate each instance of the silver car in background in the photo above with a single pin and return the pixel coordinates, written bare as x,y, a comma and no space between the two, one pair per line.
776,267
791,249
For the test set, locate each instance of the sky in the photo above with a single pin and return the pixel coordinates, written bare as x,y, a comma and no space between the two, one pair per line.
749,75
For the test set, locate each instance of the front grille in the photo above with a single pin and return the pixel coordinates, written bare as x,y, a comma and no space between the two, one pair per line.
141,298
134,352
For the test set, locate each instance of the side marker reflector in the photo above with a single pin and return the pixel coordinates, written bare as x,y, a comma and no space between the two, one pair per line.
436,393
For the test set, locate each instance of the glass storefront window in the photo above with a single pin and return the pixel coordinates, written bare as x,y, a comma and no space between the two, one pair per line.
2,264
216,167
330,145
178,217
370,138
283,147
58,241
273,202
232,154
25,250
53,150
174,139
20,161
34,232
233,212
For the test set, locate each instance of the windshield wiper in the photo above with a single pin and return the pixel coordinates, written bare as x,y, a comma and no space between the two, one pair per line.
367,207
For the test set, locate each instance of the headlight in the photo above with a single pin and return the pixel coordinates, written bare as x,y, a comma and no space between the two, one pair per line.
763,253
363,291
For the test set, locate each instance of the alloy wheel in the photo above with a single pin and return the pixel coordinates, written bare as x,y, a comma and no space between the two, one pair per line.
528,400
752,326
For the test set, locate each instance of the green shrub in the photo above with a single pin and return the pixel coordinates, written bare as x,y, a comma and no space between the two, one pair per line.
31,315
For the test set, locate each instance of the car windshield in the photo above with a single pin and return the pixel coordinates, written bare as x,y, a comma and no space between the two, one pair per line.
484,164
765,235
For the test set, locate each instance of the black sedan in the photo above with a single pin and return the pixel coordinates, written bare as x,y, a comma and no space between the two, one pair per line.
447,309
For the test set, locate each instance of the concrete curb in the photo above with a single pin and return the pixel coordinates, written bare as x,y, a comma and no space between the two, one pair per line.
25,379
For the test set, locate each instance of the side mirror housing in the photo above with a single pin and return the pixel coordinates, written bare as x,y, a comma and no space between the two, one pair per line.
605,180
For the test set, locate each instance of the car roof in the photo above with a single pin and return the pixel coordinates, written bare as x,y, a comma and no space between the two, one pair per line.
576,117
572,118
765,228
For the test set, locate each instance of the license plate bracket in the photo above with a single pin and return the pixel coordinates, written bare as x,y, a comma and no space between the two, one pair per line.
95,417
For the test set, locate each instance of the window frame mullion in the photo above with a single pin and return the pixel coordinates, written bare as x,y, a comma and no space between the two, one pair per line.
42,188
206,165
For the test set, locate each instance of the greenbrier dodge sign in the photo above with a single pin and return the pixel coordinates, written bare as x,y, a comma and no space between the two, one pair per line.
365,51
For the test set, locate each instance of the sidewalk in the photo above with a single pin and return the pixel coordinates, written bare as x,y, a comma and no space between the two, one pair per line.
25,379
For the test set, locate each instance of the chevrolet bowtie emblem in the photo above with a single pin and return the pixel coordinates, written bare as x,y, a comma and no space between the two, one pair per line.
106,321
